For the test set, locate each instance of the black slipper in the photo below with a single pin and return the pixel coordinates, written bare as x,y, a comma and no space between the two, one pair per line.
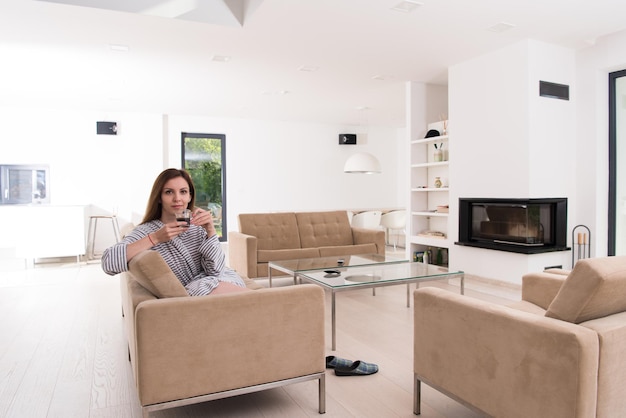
333,362
358,368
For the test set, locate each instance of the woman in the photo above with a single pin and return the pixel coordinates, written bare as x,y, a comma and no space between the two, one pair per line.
193,251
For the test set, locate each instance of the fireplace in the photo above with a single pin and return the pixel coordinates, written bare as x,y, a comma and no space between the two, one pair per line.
527,226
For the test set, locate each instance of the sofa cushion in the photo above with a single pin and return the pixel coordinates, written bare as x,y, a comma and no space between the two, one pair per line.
152,272
324,229
273,231
348,250
595,288
263,256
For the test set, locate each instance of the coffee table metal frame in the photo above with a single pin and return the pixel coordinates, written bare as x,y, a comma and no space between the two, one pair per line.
398,273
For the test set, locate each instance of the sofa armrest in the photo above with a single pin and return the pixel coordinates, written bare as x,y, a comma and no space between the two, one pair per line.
242,253
502,361
201,345
367,236
541,288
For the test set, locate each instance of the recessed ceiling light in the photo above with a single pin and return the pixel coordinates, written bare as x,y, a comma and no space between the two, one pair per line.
308,68
407,6
362,108
382,77
501,27
118,48
220,58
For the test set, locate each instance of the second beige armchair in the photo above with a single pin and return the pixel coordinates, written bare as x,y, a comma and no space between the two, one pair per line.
556,353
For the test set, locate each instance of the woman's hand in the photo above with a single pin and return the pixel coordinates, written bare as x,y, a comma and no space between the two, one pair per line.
168,231
163,234
203,218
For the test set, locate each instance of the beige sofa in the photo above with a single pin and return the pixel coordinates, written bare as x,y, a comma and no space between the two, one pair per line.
187,350
264,237
559,352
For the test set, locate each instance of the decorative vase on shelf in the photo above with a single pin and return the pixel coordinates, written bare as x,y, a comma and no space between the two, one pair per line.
438,182
438,154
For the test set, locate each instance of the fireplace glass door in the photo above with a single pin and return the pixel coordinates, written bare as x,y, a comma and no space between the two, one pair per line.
527,226
511,223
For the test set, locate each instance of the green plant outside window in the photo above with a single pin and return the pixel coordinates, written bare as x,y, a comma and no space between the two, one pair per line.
203,156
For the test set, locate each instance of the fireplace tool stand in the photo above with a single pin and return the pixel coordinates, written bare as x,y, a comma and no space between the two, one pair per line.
582,248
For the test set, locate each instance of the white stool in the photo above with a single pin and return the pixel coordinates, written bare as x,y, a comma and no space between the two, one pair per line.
93,227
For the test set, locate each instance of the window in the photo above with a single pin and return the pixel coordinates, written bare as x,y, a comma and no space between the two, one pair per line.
617,157
204,157
21,184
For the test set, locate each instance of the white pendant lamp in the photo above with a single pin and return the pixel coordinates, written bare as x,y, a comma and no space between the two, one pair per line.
362,163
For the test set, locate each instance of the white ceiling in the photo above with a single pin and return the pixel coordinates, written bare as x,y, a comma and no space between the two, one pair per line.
58,53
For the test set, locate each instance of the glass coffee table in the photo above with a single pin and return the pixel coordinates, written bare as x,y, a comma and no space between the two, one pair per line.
293,267
373,276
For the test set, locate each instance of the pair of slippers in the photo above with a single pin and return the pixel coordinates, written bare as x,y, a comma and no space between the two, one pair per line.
345,367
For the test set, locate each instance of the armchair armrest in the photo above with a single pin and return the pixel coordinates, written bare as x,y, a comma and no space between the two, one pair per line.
368,236
502,361
541,288
242,253
200,345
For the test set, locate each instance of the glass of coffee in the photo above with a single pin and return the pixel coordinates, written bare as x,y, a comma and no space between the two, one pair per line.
184,216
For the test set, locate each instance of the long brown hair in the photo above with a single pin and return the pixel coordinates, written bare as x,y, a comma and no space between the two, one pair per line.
154,207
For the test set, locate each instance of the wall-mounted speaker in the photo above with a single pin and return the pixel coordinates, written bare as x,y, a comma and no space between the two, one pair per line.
553,90
347,139
106,128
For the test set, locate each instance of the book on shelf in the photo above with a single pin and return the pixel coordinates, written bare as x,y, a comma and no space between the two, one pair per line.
432,234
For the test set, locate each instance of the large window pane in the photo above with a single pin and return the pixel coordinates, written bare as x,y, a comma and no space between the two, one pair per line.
204,157
617,161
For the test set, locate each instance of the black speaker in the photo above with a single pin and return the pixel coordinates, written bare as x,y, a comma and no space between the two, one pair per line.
553,90
347,139
106,128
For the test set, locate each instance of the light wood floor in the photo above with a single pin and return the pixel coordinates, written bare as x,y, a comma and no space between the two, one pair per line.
63,354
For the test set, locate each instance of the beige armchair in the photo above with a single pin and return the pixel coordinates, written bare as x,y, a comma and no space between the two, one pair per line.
557,353
186,350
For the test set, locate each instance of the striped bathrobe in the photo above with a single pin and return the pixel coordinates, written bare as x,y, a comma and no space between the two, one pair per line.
195,258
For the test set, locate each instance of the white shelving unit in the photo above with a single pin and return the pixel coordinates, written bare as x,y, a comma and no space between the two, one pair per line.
426,197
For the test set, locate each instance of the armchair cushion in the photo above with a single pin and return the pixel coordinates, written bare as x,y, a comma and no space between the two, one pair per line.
152,272
595,288
541,288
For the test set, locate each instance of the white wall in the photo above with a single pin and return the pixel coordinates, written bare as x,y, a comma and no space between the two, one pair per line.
287,166
284,166
105,173
272,166
593,66
511,143
102,170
